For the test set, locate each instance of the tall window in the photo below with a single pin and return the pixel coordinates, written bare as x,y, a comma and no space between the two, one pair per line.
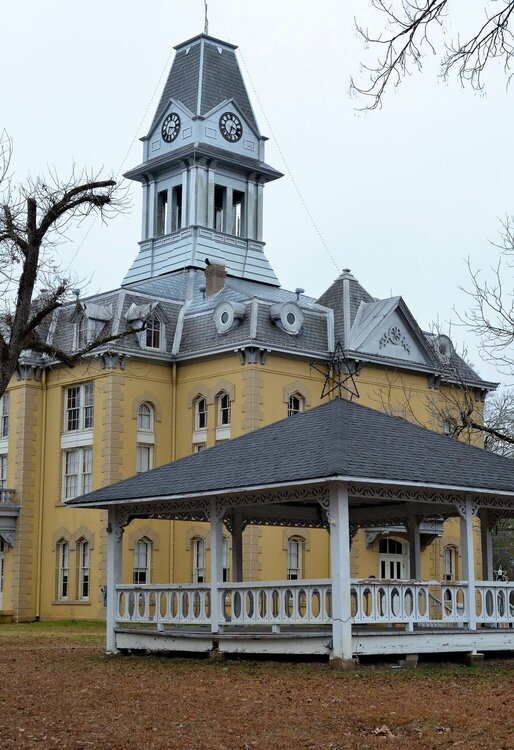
83,559
142,552
295,549
198,550
78,472
161,219
226,560
145,437
4,416
63,569
295,405
450,563
176,208
200,407
78,407
238,201
223,409
392,559
153,332
3,472
220,196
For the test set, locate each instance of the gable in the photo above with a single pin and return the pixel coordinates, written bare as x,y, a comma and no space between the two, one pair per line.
385,328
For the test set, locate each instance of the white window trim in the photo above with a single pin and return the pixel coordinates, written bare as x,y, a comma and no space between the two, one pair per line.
136,559
83,544
301,401
146,430
5,413
197,569
4,462
63,571
300,542
162,336
81,408
150,448
80,475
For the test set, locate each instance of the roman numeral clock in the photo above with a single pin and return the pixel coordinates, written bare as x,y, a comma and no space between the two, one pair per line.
231,127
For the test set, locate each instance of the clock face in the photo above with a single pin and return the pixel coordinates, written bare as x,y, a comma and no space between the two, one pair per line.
170,127
231,127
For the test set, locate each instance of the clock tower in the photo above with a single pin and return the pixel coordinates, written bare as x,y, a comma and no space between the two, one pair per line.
203,171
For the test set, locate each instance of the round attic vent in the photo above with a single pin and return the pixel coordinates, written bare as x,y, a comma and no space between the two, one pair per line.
444,346
227,315
288,316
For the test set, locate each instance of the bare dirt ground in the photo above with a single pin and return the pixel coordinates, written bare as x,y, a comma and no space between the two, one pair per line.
58,690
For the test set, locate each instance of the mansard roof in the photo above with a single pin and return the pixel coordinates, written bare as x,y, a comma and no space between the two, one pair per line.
205,73
338,439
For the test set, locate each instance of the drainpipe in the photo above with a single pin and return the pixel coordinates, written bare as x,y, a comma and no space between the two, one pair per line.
39,556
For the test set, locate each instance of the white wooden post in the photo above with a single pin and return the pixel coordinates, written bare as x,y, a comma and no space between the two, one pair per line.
114,560
468,559
487,546
340,573
237,546
414,547
216,566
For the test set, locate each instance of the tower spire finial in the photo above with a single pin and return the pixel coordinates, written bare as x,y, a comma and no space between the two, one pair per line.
206,27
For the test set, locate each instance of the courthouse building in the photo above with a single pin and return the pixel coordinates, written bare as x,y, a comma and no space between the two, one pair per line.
225,350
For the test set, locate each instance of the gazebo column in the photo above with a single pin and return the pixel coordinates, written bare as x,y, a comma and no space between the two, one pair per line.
340,575
413,525
237,546
114,561
468,557
216,519
487,546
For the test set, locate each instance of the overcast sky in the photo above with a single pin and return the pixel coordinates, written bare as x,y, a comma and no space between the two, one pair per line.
401,195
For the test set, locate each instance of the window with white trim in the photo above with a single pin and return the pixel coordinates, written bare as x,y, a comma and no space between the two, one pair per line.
4,415
200,407
84,567
450,563
393,559
153,332
63,569
223,409
295,555
145,437
3,472
295,405
77,472
78,407
199,447
142,557
198,554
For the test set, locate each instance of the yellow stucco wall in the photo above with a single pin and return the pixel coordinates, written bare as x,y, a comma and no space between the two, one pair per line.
259,395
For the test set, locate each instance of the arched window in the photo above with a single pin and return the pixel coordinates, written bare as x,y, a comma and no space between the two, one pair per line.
450,563
393,559
295,558
295,405
200,407
198,555
223,409
145,416
142,559
83,562
153,332
145,437
63,569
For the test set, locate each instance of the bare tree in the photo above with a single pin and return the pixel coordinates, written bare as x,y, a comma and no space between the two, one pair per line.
34,218
413,28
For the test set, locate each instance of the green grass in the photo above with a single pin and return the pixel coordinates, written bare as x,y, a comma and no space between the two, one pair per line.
81,630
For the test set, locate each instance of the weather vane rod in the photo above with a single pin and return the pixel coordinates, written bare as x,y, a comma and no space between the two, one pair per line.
206,27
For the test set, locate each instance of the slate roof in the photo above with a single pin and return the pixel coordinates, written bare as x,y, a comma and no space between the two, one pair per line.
201,78
336,439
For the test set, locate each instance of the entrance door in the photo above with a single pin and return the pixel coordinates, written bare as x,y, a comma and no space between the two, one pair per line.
1,574
393,559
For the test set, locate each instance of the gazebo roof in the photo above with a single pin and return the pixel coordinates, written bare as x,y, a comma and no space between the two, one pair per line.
338,439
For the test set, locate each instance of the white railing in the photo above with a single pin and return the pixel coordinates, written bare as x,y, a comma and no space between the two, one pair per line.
277,603
174,604
373,602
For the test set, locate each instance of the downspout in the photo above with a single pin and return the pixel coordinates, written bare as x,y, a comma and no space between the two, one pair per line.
39,556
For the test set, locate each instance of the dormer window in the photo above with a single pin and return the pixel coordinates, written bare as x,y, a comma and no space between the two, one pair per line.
90,321
223,408
201,413
153,332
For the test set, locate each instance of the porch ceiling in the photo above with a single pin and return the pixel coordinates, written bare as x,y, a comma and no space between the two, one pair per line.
383,458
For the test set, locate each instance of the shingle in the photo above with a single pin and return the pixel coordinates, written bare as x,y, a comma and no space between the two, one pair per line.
338,438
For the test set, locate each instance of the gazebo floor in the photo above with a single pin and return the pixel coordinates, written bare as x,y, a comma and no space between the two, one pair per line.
311,641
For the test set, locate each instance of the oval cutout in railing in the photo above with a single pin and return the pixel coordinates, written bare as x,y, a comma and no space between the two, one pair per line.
163,605
263,607
500,603
249,605
236,611
422,602
122,603
395,602
288,603
381,603
141,604
315,603
354,602
408,601
489,603
184,602
131,604
275,602
302,604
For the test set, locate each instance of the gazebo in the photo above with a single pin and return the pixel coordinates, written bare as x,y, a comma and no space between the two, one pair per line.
338,466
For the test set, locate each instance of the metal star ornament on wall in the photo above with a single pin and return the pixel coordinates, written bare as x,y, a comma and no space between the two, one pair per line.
339,373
